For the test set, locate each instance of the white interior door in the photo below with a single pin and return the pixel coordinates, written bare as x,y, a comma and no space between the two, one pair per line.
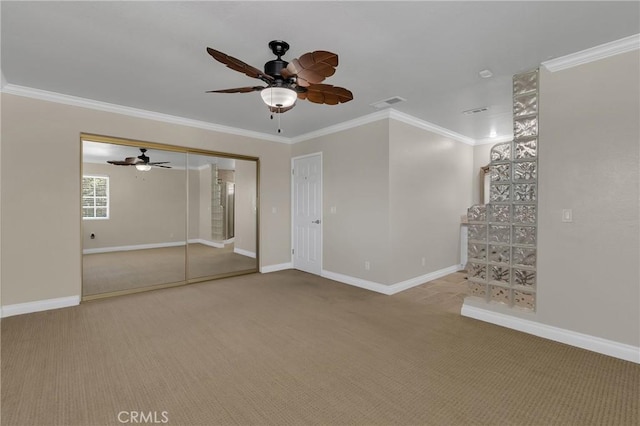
307,213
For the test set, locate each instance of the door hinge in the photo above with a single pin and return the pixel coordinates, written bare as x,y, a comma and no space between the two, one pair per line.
293,171
293,251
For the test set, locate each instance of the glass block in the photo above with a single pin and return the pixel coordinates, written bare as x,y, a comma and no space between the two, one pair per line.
525,127
477,271
500,274
526,149
477,289
477,213
500,173
524,192
477,233
499,234
525,105
501,152
526,82
524,277
524,256
477,251
499,213
524,214
500,294
499,193
525,170
524,299
525,235
499,254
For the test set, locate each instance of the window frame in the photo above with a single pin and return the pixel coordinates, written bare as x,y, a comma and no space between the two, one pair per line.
94,197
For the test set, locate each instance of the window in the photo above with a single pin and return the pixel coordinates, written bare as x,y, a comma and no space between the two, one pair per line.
95,197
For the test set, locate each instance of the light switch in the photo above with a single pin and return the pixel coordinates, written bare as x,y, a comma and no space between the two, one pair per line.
333,209
567,215
274,210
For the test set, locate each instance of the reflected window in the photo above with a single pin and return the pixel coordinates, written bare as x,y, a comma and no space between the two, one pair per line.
95,197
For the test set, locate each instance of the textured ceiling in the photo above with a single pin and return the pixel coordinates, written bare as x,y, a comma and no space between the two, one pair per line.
151,55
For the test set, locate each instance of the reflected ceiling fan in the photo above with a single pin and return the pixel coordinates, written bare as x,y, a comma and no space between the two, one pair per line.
288,81
141,162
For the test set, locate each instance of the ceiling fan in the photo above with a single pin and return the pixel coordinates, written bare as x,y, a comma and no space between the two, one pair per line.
141,162
289,81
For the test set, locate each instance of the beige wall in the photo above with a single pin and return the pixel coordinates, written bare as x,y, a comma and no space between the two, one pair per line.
429,190
145,207
588,276
48,135
245,211
356,183
399,192
193,176
204,217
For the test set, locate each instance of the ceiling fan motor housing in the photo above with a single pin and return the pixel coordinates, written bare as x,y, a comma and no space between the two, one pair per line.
274,67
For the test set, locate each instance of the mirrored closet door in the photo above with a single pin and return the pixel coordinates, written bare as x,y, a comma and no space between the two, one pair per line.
158,216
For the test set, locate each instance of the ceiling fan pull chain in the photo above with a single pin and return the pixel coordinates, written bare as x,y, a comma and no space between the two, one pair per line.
279,129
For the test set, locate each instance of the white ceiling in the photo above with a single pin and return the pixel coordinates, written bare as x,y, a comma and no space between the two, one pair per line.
151,55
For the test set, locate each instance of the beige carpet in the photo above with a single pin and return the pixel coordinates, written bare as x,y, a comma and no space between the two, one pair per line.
289,348
124,270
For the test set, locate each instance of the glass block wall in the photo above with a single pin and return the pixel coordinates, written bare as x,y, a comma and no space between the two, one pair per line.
502,234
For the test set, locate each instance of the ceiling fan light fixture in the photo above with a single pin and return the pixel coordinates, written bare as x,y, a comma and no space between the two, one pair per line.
143,167
279,97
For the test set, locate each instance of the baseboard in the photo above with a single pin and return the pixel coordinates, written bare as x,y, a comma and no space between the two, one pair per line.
206,242
572,338
357,282
393,288
244,252
132,247
39,305
275,268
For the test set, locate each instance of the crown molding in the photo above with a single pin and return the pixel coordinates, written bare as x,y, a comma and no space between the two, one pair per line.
389,113
385,115
596,53
350,124
44,95
425,125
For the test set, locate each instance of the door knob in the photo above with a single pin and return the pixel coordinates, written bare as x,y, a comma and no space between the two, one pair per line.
317,222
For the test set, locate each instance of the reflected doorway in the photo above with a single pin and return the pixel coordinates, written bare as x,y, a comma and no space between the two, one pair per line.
157,216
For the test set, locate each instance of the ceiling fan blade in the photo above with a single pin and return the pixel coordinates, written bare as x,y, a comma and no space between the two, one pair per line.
327,94
158,162
312,67
158,165
237,65
239,90
129,161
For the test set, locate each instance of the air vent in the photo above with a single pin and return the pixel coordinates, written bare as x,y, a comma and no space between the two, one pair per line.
475,110
388,102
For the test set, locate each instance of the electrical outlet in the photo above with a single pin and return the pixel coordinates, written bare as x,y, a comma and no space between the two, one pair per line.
567,215
424,261
367,265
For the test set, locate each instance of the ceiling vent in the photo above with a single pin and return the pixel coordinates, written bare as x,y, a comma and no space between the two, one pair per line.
388,102
475,110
